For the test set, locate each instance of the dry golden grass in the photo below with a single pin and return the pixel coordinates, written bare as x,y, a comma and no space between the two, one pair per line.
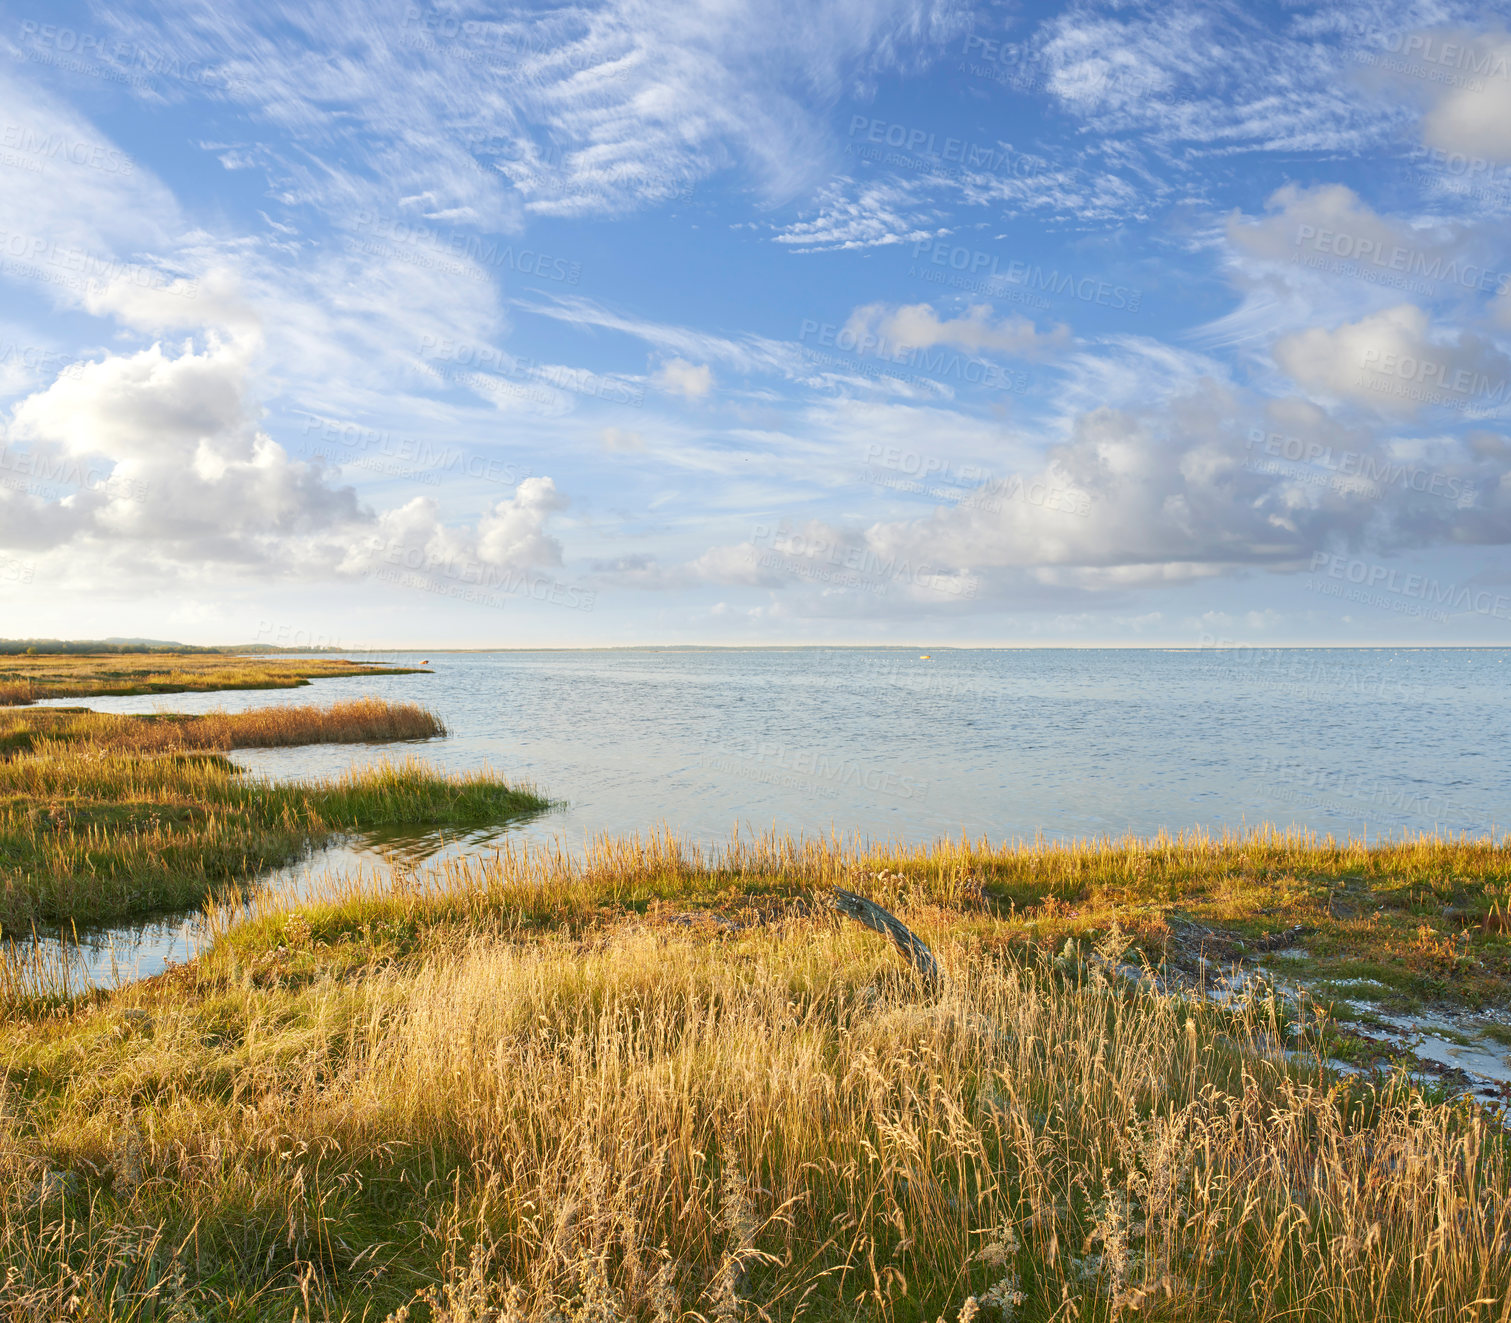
1362,906
358,720
535,1090
28,679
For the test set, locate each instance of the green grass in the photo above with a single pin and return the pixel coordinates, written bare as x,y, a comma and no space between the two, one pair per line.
90,839
107,817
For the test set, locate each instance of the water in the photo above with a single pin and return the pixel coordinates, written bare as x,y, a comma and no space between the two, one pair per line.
1060,742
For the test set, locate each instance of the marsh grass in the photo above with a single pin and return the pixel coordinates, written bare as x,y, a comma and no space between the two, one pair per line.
104,817
369,720
29,679
90,837
1362,907
538,1087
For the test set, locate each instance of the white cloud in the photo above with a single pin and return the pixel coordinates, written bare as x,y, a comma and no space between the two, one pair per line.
336,323
876,215
1392,363
1218,76
619,438
1326,219
214,298
1467,79
415,544
513,532
918,326
181,461
164,455
920,203
679,377
1319,256
1168,494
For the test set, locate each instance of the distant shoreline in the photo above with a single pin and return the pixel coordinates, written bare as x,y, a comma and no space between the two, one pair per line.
81,648
935,648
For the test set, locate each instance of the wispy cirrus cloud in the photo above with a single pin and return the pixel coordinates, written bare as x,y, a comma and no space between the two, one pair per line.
578,110
875,215
1221,77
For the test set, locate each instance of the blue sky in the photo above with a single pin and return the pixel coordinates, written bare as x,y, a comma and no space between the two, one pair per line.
366,324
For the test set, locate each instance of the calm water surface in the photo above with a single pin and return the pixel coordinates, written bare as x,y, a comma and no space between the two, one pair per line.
1067,743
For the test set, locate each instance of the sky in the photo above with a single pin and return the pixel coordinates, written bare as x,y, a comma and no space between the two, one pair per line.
366,324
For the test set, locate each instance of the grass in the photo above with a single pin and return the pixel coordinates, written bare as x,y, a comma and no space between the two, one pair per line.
362,720
29,679
105,817
655,1084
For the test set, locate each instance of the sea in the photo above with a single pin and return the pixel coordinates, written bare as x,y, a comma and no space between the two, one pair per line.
909,745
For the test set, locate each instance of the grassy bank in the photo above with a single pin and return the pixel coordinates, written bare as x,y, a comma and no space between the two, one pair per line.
657,1085
105,817
29,679
362,720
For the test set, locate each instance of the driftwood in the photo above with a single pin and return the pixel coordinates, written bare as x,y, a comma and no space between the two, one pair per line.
878,920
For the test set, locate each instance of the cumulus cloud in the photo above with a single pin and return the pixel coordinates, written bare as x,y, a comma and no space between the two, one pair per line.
513,532
918,326
142,405
690,380
1470,109
1328,219
416,539
1318,256
1212,482
161,451
1392,363
177,458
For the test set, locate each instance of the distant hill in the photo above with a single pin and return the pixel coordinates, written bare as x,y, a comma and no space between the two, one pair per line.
168,644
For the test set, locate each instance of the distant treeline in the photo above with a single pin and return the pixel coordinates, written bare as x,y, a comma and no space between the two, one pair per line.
11,647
